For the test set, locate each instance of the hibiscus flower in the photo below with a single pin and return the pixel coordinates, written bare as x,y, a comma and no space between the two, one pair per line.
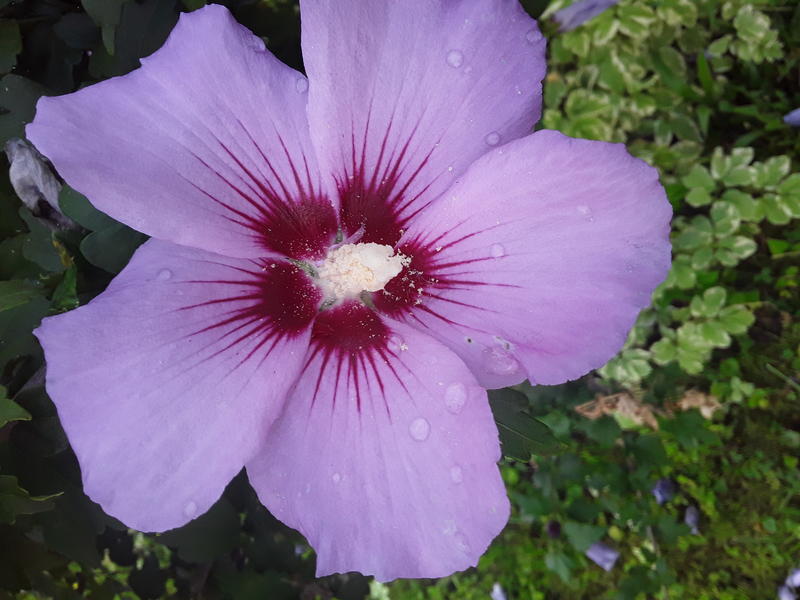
340,265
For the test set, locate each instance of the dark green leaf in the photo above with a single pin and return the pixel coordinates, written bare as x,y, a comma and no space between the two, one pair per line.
16,501
520,434
111,248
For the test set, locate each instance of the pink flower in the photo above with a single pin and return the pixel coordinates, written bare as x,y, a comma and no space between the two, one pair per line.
340,266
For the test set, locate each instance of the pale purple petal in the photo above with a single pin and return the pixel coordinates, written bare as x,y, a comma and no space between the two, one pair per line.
167,381
386,461
793,580
206,145
692,518
578,13
497,592
405,95
663,490
792,118
602,555
539,260
784,593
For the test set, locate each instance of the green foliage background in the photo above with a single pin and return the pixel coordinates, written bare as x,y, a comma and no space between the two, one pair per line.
695,87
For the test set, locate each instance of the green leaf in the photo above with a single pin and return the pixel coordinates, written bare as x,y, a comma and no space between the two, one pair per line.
520,434
65,296
736,319
776,209
663,351
745,204
106,13
769,174
79,209
699,177
212,534
15,501
725,217
10,410
734,249
560,563
581,535
715,334
17,292
111,248
698,197
40,246
10,44
711,302
18,98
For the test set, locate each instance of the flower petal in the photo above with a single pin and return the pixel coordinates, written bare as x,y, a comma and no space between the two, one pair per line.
166,382
386,461
543,256
405,95
206,145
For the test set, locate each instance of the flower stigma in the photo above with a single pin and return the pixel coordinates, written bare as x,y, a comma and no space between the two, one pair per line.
351,269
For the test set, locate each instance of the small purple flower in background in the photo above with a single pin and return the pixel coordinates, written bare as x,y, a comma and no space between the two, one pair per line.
340,265
663,490
602,555
692,518
579,12
497,592
784,593
793,579
792,118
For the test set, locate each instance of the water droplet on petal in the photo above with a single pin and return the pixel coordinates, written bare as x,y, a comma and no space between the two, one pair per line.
190,510
493,138
456,474
533,36
450,169
419,429
461,542
455,58
164,274
497,250
301,85
500,361
455,396
585,211
336,478
394,343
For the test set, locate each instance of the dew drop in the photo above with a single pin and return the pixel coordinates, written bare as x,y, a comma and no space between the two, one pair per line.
190,510
500,361
419,429
455,397
497,251
164,274
336,478
450,169
493,138
456,474
394,343
533,36
455,58
301,85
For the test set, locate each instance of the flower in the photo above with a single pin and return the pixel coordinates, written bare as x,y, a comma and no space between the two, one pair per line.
578,13
603,555
792,118
237,336
784,593
663,490
692,518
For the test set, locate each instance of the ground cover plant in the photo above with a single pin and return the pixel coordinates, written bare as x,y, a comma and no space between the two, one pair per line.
680,457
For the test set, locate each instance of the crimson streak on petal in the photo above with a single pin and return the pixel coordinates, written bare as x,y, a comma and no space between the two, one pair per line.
351,339
376,198
275,301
